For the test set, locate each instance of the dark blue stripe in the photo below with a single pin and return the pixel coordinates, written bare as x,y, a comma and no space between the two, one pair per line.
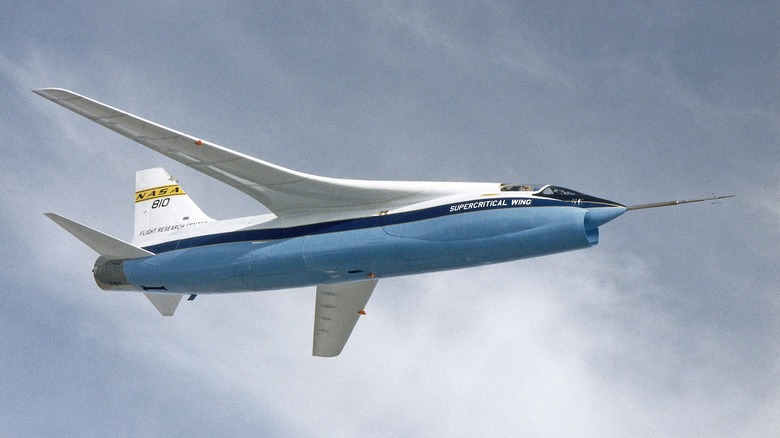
348,224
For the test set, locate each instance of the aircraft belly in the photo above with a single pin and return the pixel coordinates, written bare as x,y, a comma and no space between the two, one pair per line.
200,270
496,242
366,253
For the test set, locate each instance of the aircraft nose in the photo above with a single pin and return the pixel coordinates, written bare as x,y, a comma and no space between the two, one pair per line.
602,215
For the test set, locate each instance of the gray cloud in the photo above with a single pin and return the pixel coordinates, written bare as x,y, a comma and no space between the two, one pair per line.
668,327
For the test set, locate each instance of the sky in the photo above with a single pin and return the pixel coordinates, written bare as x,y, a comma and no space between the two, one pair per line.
669,327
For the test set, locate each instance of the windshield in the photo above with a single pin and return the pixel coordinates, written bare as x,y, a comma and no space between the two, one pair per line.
546,190
555,192
561,193
564,194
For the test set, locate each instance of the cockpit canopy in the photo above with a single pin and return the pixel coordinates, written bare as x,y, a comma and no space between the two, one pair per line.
521,187
541,189
546,190
554,192
561,193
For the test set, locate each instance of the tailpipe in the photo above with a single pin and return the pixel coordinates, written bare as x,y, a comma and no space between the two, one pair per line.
110,274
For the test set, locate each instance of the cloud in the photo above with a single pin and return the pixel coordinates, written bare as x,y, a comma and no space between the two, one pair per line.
666,328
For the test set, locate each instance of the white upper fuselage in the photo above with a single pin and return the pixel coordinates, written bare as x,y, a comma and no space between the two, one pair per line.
447,192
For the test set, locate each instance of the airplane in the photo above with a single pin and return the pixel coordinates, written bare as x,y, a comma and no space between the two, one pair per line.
338,235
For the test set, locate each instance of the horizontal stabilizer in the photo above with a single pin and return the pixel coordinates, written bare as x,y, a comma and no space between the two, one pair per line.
165,303
105,245
338,308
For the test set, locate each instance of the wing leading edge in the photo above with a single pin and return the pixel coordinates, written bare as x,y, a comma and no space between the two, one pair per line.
284,191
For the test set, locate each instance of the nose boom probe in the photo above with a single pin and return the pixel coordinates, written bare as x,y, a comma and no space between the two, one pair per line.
681,201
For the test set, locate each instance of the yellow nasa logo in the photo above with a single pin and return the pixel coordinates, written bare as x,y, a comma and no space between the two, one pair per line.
158,192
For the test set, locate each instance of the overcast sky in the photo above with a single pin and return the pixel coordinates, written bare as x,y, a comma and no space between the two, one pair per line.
669,327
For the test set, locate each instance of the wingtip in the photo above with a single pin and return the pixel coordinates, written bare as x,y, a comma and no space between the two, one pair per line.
320,354
45,93
42,91
53,216
52,92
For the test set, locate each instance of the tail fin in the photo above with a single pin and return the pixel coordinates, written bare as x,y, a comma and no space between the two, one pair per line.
162,207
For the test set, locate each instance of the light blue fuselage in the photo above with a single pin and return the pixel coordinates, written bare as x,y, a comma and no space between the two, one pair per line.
433,239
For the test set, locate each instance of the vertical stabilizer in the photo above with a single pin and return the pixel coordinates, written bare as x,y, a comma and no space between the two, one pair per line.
162,208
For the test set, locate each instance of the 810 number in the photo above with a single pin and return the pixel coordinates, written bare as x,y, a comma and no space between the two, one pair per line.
160,203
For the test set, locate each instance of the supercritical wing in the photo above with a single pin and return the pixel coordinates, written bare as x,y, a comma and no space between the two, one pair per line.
283,191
